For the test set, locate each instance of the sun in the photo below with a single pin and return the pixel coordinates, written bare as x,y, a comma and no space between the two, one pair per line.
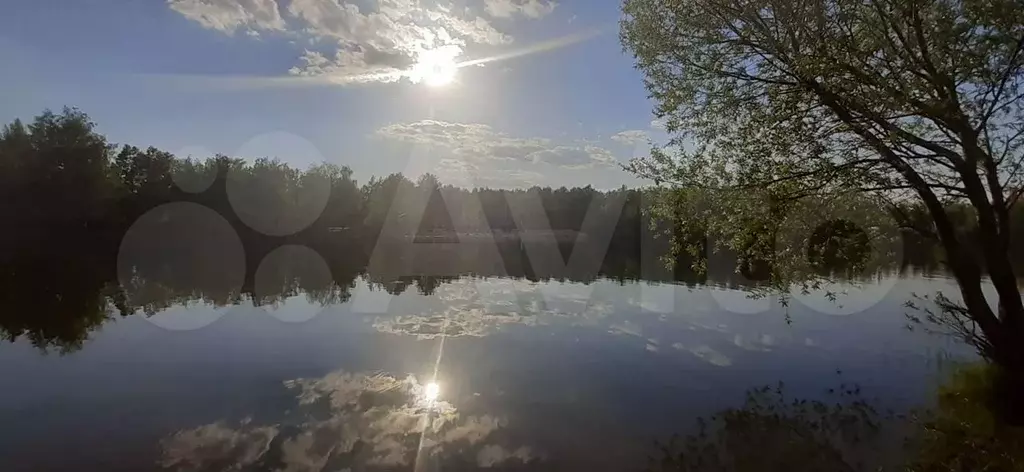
436,67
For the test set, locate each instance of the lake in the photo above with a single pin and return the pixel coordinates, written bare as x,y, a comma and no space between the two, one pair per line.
455,373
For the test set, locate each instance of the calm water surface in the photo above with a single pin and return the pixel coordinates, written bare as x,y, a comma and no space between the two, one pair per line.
526,375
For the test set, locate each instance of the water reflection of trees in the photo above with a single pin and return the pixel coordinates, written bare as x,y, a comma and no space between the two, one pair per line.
95,230
773,432
54,303
846,431
55,300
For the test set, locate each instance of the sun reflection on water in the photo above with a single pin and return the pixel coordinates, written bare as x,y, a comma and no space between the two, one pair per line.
431,392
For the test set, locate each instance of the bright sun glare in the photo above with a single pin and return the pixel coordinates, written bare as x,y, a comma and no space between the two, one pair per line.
431,391
436,67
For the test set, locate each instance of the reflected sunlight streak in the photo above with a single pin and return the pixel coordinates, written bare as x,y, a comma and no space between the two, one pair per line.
430,393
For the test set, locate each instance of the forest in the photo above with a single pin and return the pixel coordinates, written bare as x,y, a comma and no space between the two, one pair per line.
90,225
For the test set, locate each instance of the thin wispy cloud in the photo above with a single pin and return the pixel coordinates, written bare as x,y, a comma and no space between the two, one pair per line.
229,16
477,142
527,8
631,137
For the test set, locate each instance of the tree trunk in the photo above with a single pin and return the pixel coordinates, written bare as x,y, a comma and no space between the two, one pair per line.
1004,333
1005,350
1007,342
1008,394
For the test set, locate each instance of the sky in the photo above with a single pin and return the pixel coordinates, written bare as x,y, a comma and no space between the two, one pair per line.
499,93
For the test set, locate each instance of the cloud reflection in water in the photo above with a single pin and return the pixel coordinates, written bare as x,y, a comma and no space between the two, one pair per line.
479,308
346,420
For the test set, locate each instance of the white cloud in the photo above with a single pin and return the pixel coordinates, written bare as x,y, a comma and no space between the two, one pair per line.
574,157
229,15
631,137
528,8
475,143
394,25
377,45
472,141
347,67
368,41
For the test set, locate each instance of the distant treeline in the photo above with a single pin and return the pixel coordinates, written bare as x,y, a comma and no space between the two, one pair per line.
65,190
71,202
89,225
58,175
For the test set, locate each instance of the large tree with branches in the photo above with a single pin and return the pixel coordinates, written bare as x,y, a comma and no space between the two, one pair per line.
905,102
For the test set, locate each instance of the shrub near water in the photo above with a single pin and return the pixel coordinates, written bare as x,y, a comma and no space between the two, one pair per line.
962,433
847,432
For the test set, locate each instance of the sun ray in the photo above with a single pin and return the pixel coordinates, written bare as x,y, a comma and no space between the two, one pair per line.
438,68
543,46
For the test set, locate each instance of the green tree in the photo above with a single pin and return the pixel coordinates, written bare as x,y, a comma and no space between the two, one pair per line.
62,166
381,195
56,194
783,106
145,176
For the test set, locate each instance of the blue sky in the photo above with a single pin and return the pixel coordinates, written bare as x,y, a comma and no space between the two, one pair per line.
313,80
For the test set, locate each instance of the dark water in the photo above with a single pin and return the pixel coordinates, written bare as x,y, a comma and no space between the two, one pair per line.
529,375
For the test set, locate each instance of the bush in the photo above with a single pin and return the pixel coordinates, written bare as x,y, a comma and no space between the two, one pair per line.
962,433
